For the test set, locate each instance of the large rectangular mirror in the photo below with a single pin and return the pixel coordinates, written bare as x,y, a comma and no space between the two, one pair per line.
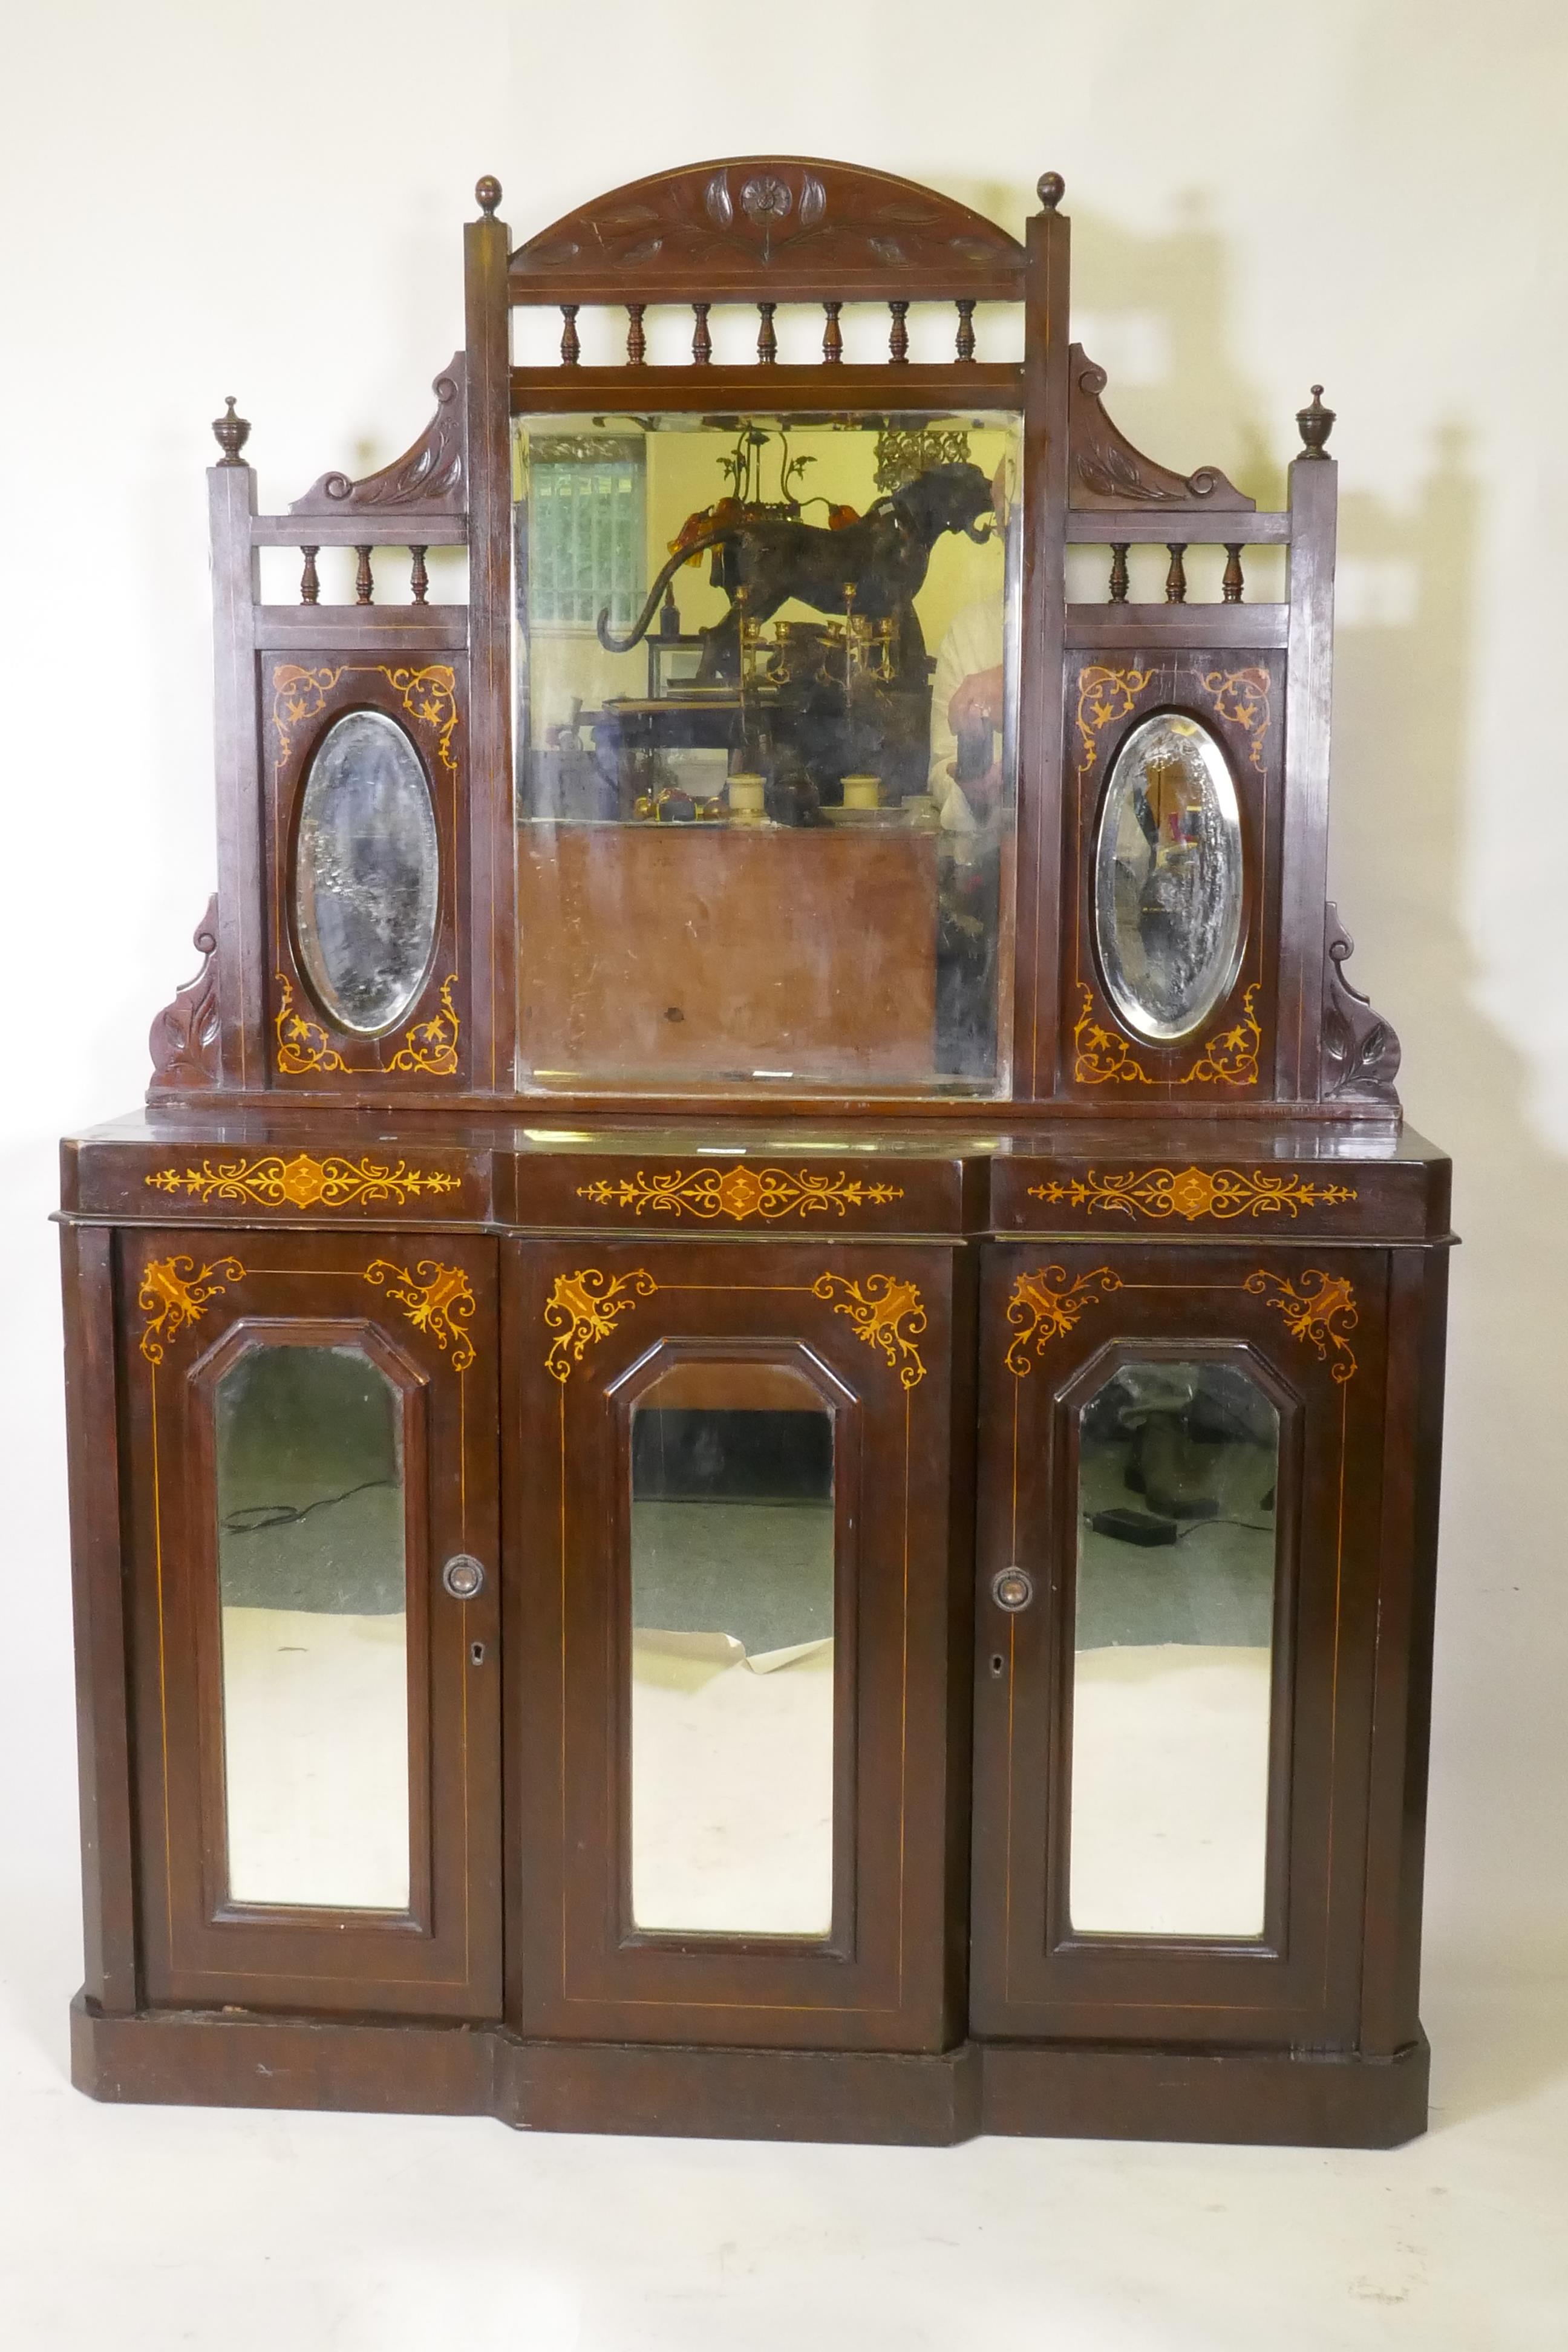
765,683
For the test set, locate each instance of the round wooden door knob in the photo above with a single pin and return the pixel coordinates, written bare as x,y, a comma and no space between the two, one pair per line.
463,1576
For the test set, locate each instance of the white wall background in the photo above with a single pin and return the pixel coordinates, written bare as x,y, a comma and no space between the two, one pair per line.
266,199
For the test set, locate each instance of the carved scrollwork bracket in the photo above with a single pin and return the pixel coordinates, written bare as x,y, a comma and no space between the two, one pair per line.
1107,471
1360,1050
428,474
183,1039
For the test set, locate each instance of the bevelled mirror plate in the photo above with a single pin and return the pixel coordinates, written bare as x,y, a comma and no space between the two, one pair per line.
1173,1652
367,873
732,1653
313,1599
1168,880
764,720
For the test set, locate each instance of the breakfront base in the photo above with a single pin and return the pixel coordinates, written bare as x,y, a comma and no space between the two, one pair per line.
201,2058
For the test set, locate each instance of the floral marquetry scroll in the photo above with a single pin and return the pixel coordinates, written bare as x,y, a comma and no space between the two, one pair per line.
437,1300
1046,1305
305,1050
300,697
887,1315
583,1309
176,1292
1104,696
302,1182
1242,696
1319,1312
738,1192
1228,1058
1192,1192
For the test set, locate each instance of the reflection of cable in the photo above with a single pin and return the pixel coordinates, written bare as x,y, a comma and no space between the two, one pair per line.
1251,1526
246,1522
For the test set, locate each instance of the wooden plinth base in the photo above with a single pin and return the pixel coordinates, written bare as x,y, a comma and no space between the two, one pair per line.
199,2058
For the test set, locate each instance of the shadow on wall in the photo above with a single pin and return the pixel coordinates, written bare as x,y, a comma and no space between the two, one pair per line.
1155,313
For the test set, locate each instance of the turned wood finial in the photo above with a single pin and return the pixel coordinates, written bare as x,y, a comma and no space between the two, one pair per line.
487,196
1050,188
232,433
1315,425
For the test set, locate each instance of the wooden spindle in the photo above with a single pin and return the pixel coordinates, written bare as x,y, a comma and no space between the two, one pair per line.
310,585
767,342
899,335
636,341
362,578
1176,577
571,349
966,330
1119,571
1232,584
420,579
701,341
832,335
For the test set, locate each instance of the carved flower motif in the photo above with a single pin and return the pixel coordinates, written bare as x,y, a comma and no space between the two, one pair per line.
765,198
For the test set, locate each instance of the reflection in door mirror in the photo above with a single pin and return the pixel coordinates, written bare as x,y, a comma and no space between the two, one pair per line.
315,1629
1178,1474
732,1652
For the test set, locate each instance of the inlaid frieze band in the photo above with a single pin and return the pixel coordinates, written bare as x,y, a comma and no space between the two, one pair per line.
738,1192
304,1183
1192,1192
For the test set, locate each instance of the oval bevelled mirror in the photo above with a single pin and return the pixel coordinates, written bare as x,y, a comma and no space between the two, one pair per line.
1168,893
367,873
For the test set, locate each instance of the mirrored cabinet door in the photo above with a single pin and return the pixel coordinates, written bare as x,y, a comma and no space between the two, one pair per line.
1179,1496
733,1762
313,1480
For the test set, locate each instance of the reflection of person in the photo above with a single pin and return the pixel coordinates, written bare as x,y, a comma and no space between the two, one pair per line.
967,706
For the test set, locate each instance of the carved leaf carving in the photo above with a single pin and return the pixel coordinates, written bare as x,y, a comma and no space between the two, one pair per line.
720,206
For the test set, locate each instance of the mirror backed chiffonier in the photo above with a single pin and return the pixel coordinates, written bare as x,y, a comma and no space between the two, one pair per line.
755,1417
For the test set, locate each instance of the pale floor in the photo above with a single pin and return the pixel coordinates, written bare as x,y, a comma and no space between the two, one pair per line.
147,2230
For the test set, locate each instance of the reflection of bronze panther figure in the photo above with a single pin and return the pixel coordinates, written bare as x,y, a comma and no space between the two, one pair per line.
883,558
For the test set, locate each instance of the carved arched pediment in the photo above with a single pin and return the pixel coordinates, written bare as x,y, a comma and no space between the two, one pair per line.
792,223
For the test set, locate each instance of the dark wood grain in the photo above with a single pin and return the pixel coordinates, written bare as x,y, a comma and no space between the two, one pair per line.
97,1599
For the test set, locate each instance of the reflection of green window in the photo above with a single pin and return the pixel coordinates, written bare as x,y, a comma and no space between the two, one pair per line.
585,531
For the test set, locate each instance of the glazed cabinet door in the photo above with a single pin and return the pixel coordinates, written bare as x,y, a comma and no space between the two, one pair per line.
1178,1552
729,1719
309,1435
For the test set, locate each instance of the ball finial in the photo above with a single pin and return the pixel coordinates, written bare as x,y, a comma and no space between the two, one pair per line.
232,433
1051,188
1315,423
487,196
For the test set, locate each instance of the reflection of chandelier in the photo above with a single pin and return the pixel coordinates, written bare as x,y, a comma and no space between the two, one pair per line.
900,455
